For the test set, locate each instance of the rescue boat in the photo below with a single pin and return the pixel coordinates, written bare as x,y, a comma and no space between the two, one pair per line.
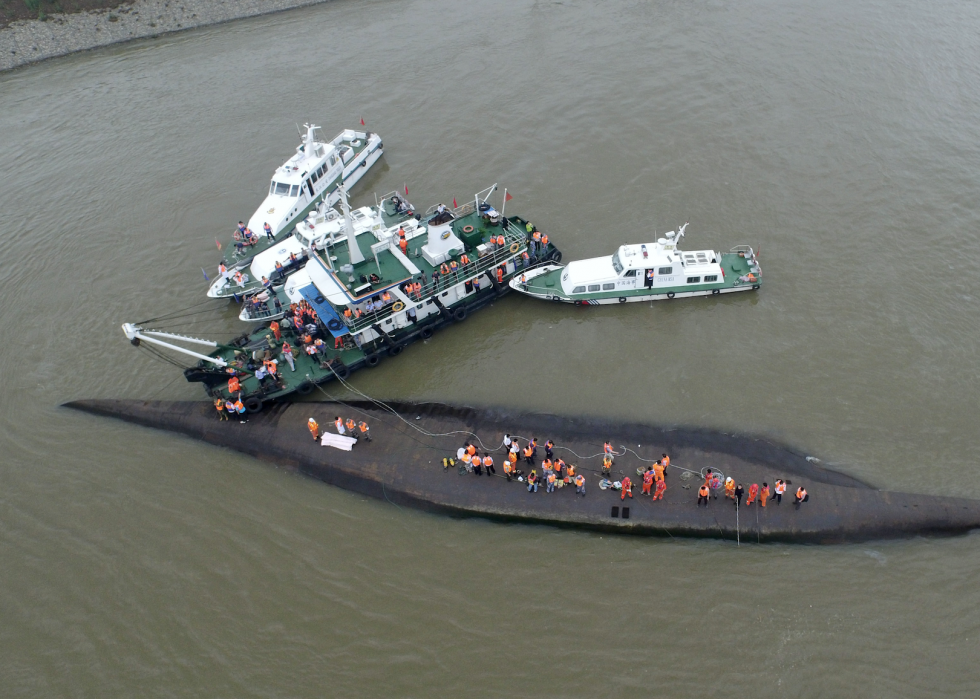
646,272
313,174
291,253
366,296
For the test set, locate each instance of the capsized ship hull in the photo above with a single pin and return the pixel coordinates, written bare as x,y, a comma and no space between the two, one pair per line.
404,466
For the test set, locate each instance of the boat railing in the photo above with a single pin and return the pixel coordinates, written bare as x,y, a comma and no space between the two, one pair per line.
745,250
464,273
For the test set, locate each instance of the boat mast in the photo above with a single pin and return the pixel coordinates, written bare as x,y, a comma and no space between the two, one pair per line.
356,256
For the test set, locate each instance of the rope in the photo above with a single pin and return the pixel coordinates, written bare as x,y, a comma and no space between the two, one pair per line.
173,313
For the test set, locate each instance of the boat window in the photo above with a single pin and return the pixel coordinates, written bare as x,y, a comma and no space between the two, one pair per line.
711,278
607,287
333,161
593,287
617,265
693,280
315,177
630,273
294,192
665,270
272,187
578,290
282,189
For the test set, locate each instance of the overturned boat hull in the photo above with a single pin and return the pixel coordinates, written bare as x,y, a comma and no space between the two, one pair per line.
404,466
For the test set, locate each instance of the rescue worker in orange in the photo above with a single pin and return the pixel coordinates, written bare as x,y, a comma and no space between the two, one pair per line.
608,450
508,469
365,430
339,424
314,428
488,464
666,462
703,495
658,494
801,495
753,493
274,327
730,488
219,405
627,489
350,424
763,495
569,474
647,481
580,485
780,489
658,470
529,455
606,465
477,463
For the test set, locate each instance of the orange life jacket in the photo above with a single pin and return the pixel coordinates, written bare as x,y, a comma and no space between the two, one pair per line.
234,386
475,460
363,427
238,405
703,491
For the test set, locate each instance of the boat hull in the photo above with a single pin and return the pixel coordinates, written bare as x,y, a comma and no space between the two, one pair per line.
404,467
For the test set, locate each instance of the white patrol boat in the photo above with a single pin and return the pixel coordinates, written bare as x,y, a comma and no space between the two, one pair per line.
646,272
311,175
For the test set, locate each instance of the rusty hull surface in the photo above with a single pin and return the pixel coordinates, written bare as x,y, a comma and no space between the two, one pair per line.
404,466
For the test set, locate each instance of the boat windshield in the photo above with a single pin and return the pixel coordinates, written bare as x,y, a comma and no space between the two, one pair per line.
279,188
617,265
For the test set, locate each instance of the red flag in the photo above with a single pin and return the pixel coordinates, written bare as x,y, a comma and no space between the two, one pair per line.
454,203
508,197
406,190
217,243
362,121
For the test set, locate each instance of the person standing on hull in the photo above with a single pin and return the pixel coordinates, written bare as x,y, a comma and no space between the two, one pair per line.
739,492
801,496
780,489
314,428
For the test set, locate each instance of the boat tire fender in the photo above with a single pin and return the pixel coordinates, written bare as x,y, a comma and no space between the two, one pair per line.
395,350
467,229
555,256
334,324
372,360
342,372
622,299
305,388
397,306
715,292
426,333
253,404
670,294
515,247
459,314
755,286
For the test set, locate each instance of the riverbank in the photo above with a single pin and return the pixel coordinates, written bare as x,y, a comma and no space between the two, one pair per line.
29,41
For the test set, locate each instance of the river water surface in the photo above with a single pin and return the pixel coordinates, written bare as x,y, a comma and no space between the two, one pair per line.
840,137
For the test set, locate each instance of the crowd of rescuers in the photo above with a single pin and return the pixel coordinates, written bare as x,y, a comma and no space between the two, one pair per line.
346,427
300,326
556,473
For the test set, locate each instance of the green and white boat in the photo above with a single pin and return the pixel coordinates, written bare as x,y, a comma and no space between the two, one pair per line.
362,297
646,272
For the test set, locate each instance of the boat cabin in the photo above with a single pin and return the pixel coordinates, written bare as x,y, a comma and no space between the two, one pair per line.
305,177
647,265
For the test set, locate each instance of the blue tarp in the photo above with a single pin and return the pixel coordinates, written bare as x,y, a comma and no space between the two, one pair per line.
323,309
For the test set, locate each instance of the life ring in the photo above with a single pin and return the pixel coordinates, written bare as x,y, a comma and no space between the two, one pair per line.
305,388
670,294
467,229
515,247
426,333
238,236
555,256
459,314
372,360
715,292
334,324
395,350
253,404
397,306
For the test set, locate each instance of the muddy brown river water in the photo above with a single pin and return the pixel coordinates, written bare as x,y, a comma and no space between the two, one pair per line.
841,138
